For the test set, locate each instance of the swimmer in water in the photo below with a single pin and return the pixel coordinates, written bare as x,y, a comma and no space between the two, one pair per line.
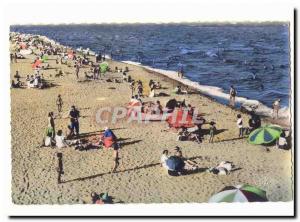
262,87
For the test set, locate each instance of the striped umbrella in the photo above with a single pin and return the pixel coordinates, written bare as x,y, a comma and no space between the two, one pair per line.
239,193
265,134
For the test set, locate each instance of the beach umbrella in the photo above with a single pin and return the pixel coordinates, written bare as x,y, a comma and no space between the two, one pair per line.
37,64
171,104
103,67
45,58
239,193
265,134
174,163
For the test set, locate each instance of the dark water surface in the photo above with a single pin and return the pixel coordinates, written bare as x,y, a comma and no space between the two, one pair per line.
254,58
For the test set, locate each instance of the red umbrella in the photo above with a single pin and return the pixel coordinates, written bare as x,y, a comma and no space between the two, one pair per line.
37,63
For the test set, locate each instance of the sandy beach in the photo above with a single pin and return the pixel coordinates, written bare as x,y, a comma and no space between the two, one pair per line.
139,178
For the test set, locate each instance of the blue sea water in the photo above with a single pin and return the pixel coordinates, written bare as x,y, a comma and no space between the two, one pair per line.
255,58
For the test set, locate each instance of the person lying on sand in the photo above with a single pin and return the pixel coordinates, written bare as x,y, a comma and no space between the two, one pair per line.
185,135
224,168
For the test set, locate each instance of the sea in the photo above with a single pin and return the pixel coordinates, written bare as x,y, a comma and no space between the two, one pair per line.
254,58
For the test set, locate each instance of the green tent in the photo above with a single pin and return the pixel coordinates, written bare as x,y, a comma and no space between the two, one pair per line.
103,67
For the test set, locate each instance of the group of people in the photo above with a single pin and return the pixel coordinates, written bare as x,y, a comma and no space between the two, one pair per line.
253,124
175,163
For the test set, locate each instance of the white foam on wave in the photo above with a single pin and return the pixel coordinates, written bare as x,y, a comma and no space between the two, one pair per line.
217,93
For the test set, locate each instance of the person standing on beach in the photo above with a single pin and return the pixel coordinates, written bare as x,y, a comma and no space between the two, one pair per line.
140,88
232,94
51,124
74,115
77,70
11,57
59,103
212,131
15,57
240,125
276,107
132,87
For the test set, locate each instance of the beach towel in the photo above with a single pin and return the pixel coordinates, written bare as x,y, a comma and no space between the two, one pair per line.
179,119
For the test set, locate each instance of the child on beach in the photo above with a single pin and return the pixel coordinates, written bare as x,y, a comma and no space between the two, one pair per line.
212,131
59,103
240,125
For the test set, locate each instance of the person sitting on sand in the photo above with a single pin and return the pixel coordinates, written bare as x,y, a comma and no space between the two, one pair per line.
188,164
60,140
16,84
88,77
17,75
102,198
157,108
69,132
182,134
163,159
138,98
281,143
177,90
48,140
